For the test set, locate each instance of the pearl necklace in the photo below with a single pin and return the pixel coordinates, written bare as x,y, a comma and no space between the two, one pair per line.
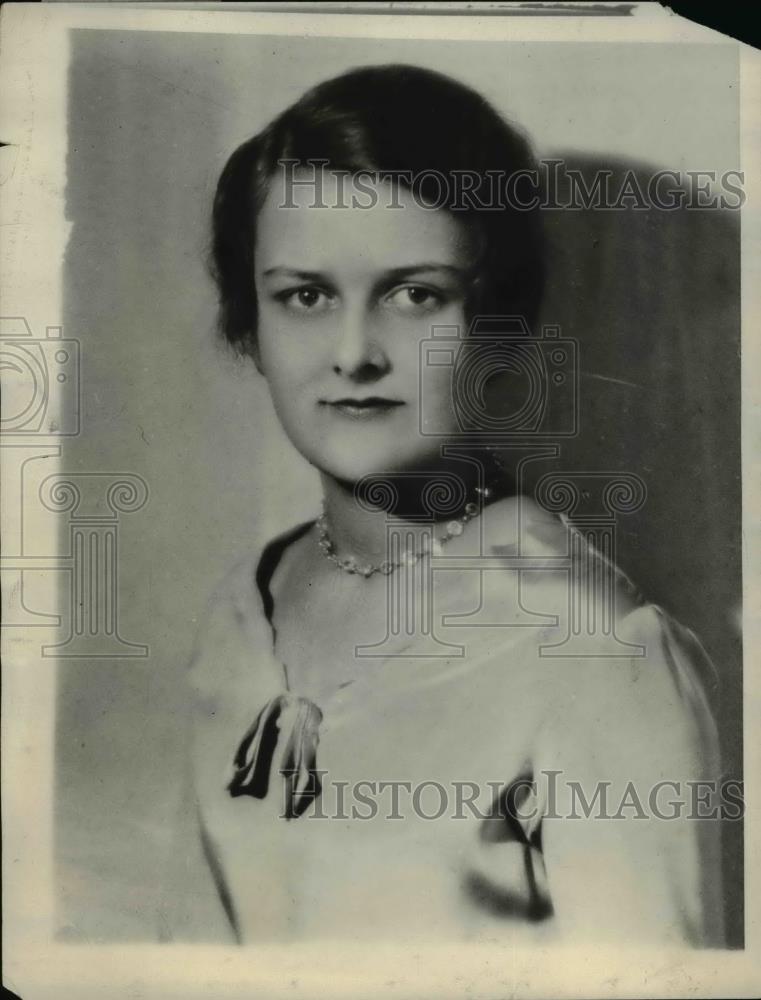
350,564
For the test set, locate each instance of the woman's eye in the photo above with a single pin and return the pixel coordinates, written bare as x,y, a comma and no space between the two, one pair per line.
415,299
304,300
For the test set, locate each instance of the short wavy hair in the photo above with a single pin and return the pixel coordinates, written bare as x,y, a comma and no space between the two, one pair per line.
390,120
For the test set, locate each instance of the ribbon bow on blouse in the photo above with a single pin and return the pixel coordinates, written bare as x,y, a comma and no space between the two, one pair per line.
300,719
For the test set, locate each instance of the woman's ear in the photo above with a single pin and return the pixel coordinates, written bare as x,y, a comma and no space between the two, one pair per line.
252,349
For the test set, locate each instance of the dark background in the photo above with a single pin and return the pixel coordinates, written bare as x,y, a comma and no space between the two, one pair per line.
736,20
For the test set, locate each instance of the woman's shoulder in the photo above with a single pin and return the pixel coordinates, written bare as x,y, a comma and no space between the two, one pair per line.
643,717
518,525
561,568
646,699
244,584
235,631
612,653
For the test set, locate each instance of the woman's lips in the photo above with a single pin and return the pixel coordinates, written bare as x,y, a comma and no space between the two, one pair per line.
364,409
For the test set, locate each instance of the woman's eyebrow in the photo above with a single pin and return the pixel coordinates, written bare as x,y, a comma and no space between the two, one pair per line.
400,273
394,274
291,272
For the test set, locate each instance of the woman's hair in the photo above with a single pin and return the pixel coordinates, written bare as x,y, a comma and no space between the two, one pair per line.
393,121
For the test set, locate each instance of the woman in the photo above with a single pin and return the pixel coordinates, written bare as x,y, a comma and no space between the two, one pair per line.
392,734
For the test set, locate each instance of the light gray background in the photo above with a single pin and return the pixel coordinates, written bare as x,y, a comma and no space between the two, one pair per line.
653,299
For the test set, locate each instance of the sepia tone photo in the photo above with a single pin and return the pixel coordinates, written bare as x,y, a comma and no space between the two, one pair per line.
386,445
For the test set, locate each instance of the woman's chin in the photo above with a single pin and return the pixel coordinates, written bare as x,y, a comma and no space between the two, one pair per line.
351,468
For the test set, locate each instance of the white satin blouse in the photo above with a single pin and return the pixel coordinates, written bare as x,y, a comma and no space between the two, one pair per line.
533,780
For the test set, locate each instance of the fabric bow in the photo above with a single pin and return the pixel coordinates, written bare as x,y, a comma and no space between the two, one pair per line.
300,719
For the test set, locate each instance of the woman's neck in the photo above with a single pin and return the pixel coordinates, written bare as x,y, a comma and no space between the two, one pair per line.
359,520
354,529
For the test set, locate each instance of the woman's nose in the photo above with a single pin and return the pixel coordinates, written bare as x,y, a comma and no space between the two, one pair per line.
358,354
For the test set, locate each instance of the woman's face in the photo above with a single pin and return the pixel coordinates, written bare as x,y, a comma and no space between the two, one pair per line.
347,295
